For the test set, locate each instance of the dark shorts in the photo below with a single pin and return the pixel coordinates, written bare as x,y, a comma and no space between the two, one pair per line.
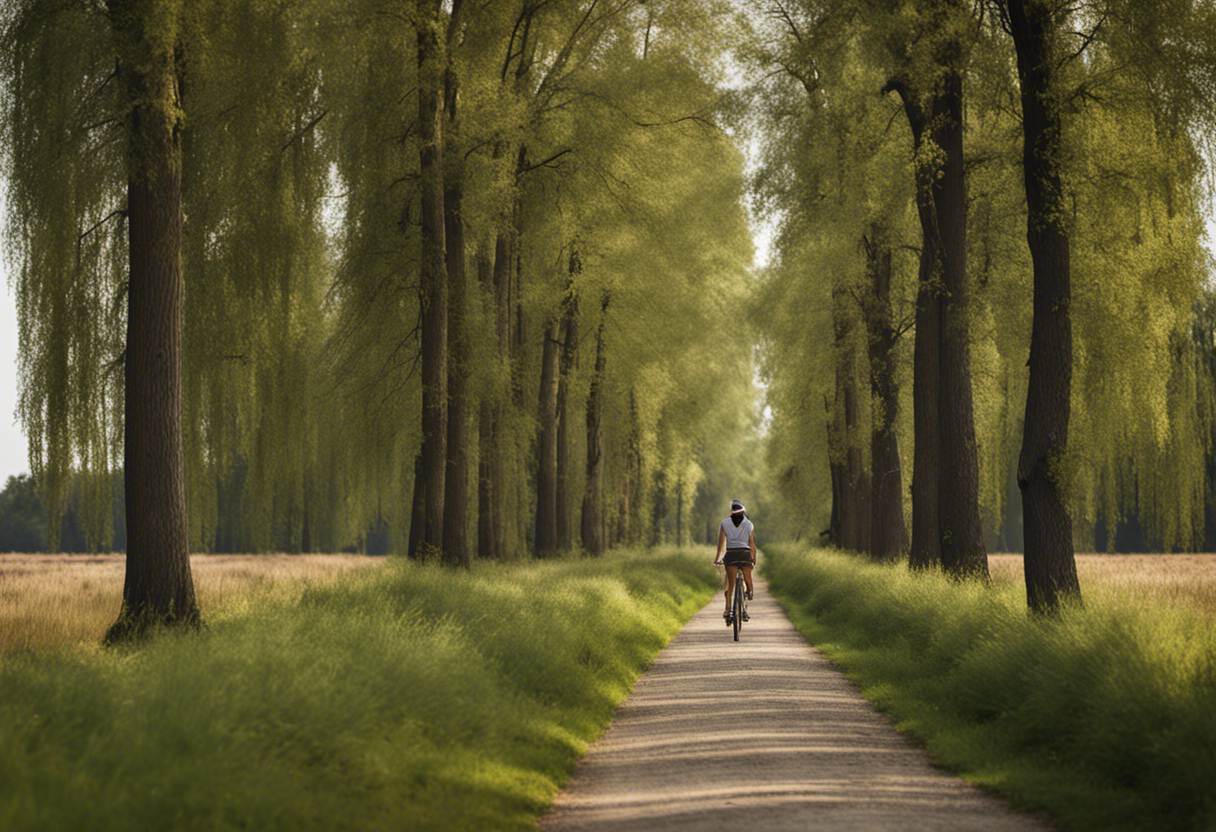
738,557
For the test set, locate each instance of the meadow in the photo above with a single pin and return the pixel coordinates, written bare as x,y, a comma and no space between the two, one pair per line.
1101,716
408,696
51,601
1187,581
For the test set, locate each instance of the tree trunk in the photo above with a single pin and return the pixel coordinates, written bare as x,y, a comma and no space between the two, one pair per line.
455,539
417,510
487,444
888,534
545,541
926,548
158,588
850,484
432,277
569,357
962,536
593,497
1050,567
492,491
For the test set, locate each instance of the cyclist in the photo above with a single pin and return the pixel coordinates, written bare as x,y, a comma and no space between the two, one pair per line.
737,537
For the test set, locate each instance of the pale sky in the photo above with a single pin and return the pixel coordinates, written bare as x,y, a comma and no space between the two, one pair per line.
13,453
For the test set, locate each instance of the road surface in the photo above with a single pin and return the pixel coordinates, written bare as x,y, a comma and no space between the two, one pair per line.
764,734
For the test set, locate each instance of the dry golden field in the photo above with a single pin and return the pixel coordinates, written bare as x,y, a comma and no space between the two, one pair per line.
1176,580
61,600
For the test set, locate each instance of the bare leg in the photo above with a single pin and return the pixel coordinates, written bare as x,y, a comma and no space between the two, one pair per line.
730,583
747,578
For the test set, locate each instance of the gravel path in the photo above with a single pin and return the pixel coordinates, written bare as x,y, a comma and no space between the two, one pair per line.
763,734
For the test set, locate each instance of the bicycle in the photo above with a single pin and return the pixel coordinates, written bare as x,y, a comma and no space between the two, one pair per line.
738,610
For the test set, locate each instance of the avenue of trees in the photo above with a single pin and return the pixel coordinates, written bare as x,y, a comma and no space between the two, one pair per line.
470,279
467,279
989,303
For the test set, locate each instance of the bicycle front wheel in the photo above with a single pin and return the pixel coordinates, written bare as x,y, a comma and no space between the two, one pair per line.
737,611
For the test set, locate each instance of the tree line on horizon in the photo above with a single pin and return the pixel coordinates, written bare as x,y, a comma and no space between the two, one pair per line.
989,273
440,275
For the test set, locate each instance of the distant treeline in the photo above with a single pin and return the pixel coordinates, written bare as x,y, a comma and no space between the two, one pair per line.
24,520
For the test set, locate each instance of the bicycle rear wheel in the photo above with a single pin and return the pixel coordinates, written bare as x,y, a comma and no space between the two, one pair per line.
737,608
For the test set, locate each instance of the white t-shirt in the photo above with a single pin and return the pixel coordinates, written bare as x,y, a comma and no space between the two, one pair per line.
737,537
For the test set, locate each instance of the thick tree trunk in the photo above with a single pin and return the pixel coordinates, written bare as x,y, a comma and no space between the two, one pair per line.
432,277
569,357
926,548
1050,566
545,540
158,588
456,478
593,498
889,537
962,536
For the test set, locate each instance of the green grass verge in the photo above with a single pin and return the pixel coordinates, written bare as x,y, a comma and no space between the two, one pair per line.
412,697
1104,717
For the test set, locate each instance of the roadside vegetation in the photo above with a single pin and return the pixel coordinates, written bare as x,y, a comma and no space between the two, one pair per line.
410,697
1101,716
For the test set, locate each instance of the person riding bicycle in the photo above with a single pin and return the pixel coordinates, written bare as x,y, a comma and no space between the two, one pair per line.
737,536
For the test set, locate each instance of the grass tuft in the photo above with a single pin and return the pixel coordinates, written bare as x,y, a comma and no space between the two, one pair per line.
1103,717
409,696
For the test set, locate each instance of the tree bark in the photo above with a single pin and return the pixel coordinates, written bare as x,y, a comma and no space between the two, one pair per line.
962,535
889,537
432,277
545,539
593,497
925,550
158,588
1050,565
569,357
455,539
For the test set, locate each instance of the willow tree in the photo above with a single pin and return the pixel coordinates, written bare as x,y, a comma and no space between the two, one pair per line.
1051,573
128,59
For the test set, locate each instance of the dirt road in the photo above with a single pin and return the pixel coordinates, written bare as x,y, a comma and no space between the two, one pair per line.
763,734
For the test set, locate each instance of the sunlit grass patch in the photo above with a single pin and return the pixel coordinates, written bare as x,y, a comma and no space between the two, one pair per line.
409,697
1102,716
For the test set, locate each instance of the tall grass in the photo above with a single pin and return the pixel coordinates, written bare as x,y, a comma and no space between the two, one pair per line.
409,697
1105,717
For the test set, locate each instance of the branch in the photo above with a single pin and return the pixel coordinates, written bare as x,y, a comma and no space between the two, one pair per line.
546,162
117,212
299,134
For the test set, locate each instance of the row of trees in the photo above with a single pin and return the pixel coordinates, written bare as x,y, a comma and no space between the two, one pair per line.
312,274
1017,188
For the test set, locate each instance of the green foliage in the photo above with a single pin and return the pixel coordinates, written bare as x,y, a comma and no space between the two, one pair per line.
1137,121
1100,716
411,696
300,198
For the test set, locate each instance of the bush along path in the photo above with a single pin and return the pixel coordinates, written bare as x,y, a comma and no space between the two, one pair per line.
760,734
